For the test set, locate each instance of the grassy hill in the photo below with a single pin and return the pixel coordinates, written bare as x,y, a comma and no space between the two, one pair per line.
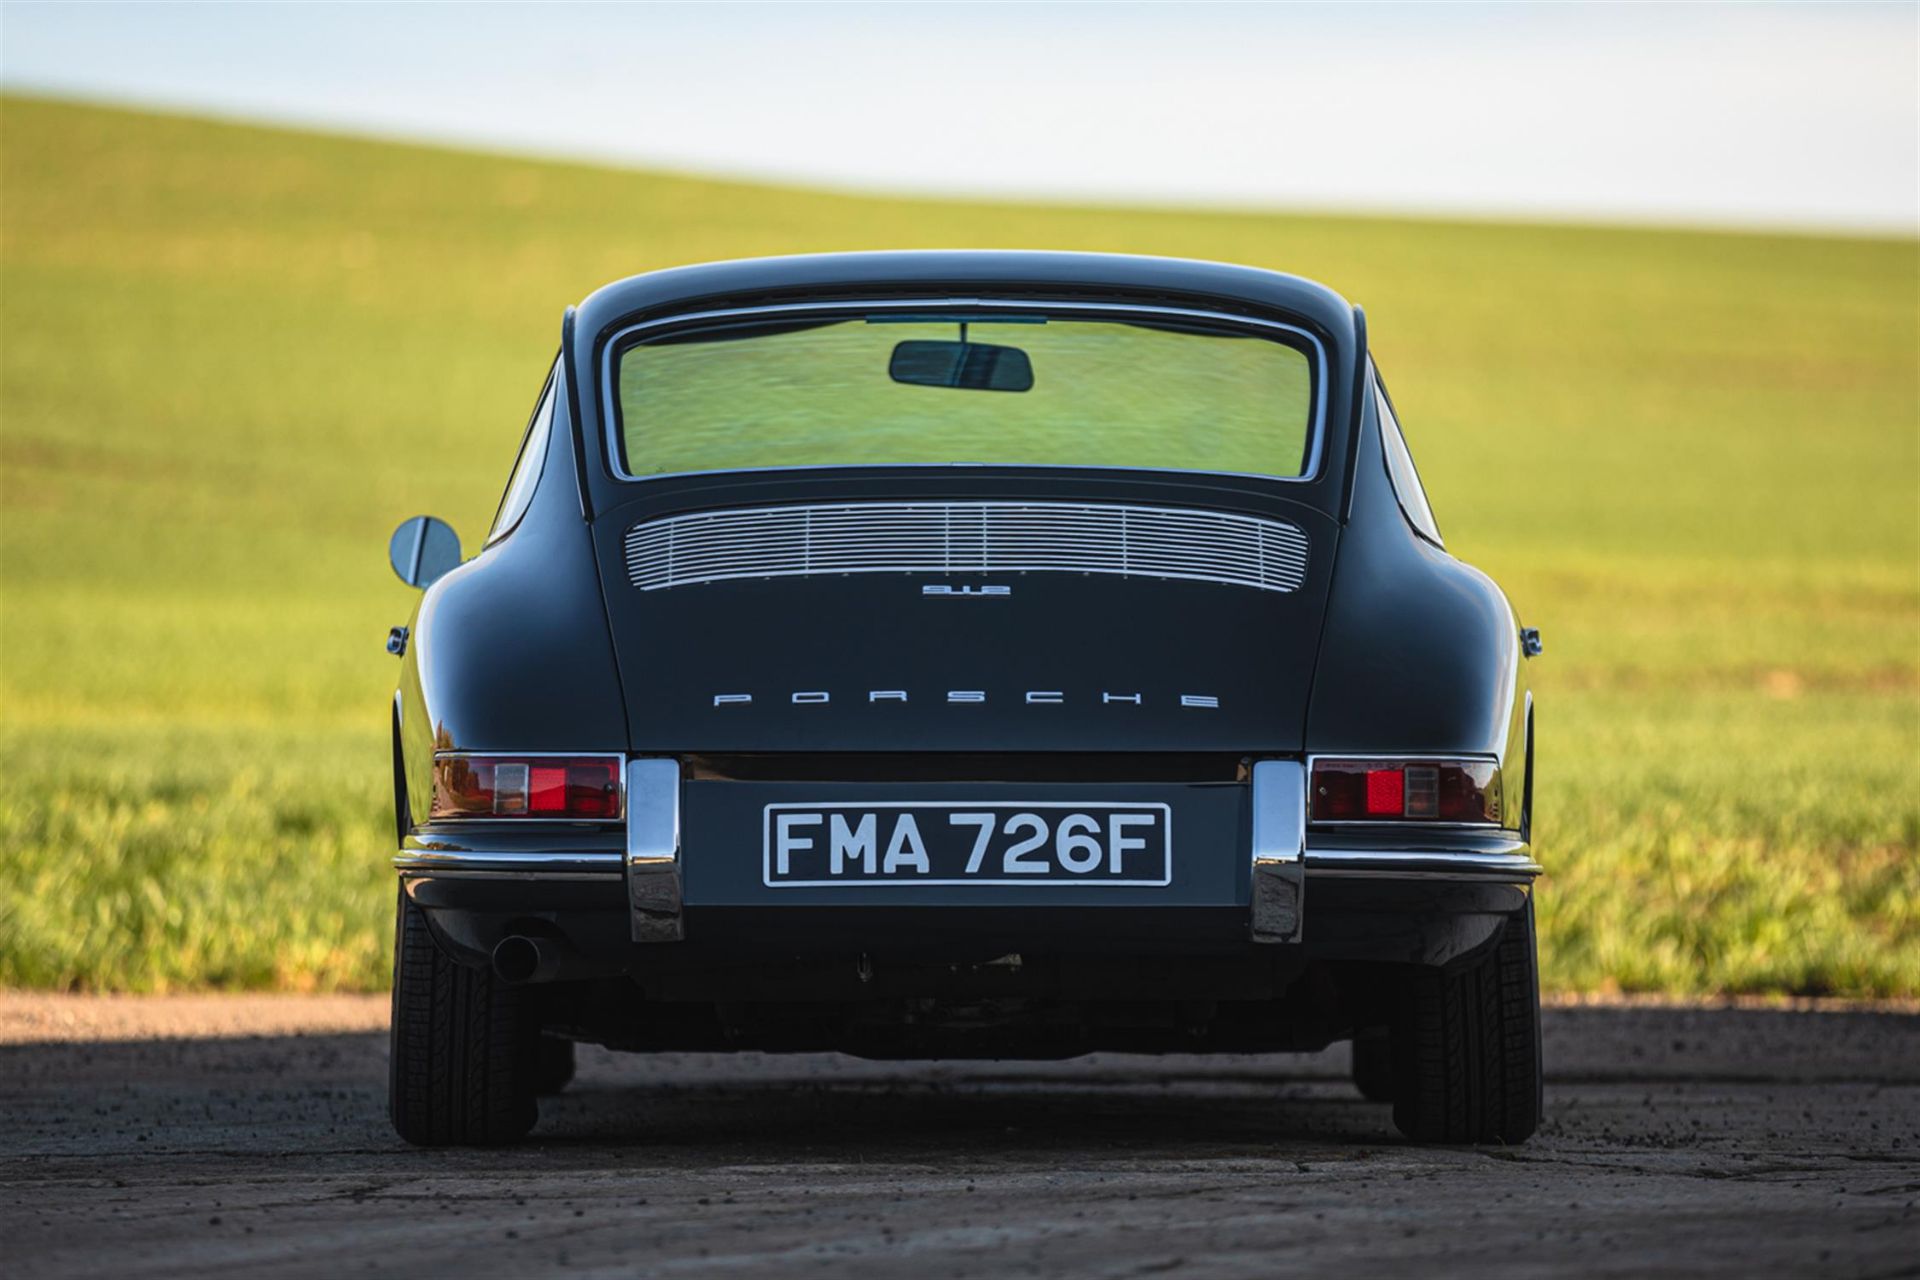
231,359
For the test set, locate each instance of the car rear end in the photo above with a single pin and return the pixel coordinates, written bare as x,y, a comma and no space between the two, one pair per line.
968,653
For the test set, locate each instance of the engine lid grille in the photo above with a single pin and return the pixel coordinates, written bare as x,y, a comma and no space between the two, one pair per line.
967,537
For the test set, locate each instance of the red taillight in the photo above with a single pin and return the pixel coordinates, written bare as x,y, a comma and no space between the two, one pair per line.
1406,791
579,788
1386,792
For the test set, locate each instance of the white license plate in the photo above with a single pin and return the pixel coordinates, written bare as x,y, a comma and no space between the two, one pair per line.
964,843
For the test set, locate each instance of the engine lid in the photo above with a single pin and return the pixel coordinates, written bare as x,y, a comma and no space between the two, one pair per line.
977,625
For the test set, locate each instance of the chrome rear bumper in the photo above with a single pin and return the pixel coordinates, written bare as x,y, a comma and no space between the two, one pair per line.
1285,856
1343,863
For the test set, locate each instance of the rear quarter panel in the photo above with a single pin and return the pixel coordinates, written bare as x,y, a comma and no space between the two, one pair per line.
1421,651
510,651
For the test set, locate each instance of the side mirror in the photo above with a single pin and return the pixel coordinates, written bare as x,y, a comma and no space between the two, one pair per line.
422,549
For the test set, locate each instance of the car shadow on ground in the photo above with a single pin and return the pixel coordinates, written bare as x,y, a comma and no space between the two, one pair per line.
1675,1141
838,1109
328,1092
325,1096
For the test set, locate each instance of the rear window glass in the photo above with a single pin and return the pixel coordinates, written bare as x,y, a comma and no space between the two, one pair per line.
1035,389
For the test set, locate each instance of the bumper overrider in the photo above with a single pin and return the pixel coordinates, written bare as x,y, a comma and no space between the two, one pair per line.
1412,897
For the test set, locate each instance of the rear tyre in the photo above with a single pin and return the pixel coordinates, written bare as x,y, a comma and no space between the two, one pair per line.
464,1055
1373,1065
554,1070
1466,1047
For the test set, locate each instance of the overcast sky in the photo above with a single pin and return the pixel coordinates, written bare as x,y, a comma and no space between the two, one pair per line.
1797,115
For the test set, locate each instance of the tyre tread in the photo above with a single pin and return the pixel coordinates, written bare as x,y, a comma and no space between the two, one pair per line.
1466,1047
461,1070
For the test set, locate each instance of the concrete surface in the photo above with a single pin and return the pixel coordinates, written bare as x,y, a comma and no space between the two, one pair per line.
1678,1141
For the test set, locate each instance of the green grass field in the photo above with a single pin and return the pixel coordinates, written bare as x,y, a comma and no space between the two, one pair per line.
231,359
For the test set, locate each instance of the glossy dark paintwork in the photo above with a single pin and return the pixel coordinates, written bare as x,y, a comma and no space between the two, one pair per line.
510,651
1393,647
1421,652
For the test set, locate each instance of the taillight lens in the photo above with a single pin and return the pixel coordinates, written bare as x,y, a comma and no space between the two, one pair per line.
1406,791
582,788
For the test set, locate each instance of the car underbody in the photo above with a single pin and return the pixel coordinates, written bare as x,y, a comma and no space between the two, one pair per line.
944,982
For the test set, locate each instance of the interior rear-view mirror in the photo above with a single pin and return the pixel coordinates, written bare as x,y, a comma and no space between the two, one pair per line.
970,366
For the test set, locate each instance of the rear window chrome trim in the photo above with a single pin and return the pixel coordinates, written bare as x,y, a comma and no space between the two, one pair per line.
618,341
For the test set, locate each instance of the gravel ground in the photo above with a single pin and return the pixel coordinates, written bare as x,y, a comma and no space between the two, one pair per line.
168,1137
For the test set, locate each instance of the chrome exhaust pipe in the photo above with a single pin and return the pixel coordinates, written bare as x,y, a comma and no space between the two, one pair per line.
519,960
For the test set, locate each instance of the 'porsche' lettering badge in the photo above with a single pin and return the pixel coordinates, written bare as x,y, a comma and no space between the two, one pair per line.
974,697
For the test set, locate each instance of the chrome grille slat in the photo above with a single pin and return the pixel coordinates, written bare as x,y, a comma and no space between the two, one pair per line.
967,537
